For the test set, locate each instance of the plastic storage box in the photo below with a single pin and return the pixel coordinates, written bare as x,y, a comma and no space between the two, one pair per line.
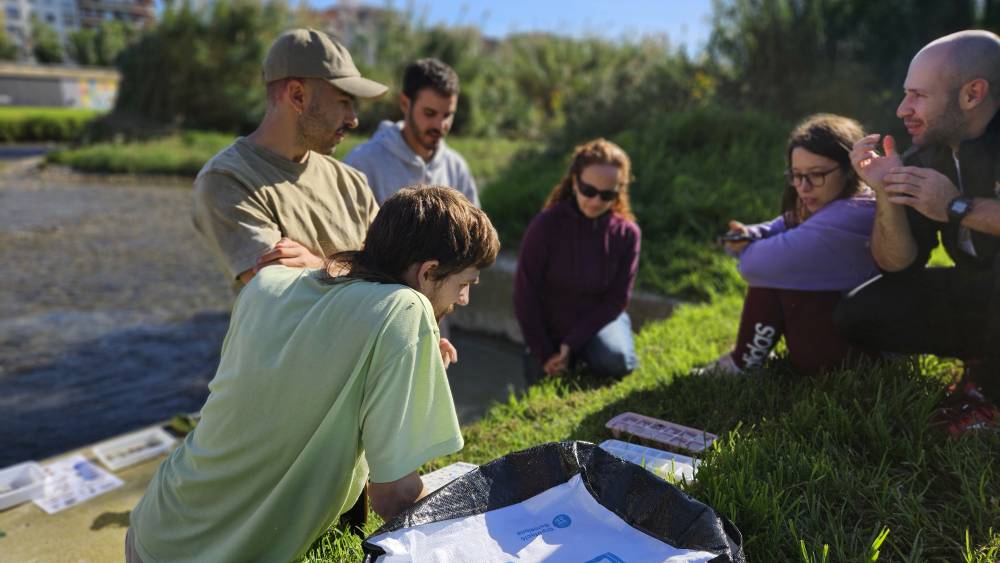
21,483
667,465
133,448
669,434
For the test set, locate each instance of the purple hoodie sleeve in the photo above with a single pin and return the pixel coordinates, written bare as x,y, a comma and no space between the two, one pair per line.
827,252
617,296
767,229
528,281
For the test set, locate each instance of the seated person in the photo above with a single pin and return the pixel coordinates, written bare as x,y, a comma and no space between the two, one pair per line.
576,269
947,185
799,265
324,384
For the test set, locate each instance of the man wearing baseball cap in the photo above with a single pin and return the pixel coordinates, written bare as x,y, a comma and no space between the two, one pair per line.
276,196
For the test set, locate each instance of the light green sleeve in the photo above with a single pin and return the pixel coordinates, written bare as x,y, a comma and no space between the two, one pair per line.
407,414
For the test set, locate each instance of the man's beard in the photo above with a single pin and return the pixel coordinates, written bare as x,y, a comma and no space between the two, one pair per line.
947,128
312,133
421,136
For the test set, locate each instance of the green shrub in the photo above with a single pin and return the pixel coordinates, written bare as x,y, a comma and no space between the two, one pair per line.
28,124
183,154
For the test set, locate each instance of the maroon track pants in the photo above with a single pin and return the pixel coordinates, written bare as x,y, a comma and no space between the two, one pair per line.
805,318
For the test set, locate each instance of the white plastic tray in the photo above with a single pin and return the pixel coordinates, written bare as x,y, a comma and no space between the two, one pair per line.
441,477
21,483
133,448
667,465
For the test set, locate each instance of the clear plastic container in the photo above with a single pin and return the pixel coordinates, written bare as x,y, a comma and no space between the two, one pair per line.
666,465
133,448
21,483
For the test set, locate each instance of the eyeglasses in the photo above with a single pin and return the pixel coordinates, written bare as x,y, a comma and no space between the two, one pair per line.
816,179
588,191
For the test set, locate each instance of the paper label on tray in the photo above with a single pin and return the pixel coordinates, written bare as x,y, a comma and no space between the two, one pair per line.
73,480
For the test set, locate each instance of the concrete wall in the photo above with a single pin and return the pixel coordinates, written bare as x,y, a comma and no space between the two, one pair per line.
54,86
491,304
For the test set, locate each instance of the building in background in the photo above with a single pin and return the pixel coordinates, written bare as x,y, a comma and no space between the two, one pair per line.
140,13
67,16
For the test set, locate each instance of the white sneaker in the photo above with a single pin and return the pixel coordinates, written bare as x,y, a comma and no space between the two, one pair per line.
724,365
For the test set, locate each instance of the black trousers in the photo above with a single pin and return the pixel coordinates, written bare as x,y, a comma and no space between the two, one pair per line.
951,312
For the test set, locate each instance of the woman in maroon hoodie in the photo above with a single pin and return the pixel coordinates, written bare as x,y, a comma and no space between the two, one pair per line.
577,267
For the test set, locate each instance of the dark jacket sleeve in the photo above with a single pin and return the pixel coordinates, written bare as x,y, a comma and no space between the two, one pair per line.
617,296
528,282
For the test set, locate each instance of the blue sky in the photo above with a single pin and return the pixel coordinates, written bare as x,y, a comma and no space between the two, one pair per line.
684,21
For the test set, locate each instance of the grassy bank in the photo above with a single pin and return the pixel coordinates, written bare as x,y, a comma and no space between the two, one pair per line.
845,464
693,172
35,125
184,154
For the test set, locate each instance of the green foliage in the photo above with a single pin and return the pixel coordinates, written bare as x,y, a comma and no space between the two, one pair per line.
47,46
694,171
8,50
101,46
795,57
25,124
183,154
200,68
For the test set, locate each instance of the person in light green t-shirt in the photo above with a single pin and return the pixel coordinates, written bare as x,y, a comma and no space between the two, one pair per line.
324,384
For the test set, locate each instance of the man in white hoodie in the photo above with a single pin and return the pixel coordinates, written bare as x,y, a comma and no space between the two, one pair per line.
413,151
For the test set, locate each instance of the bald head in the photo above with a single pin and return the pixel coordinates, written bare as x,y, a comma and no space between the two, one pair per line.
965,56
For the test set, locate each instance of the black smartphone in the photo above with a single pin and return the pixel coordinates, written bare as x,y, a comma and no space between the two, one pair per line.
734,237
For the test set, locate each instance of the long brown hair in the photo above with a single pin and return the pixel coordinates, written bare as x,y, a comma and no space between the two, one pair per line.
598,151
827,135
417,224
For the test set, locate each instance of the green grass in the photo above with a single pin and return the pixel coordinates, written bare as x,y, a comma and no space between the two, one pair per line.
803,466
30,124
184,154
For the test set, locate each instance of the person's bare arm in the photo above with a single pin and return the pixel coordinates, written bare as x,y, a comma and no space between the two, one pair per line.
389,499
286,252
893,245
984,217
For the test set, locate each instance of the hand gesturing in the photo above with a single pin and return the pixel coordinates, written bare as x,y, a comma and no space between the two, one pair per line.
870,165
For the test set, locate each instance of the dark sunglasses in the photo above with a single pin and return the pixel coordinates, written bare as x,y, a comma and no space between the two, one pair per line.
588,191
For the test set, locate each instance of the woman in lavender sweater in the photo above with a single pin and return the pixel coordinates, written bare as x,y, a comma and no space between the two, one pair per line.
799,265
576,269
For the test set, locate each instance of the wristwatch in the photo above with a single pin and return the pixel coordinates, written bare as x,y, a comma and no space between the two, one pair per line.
958,208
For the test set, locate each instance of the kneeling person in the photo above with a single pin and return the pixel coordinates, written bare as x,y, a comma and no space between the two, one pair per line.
323,385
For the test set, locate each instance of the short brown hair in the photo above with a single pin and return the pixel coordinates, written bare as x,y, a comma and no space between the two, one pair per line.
417,224
598,151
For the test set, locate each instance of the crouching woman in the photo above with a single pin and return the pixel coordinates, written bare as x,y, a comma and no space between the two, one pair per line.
576,269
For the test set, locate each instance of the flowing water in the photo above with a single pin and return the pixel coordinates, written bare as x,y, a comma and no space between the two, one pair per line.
112,315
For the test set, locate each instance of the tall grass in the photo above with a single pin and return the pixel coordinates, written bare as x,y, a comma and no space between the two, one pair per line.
183,154
31,124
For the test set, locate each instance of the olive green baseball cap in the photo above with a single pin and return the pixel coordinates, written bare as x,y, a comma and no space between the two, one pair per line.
308,53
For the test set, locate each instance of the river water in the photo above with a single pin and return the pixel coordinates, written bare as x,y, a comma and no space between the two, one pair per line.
112,315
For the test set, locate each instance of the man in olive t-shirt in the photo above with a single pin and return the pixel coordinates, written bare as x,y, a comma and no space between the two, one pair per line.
323,384
276,196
